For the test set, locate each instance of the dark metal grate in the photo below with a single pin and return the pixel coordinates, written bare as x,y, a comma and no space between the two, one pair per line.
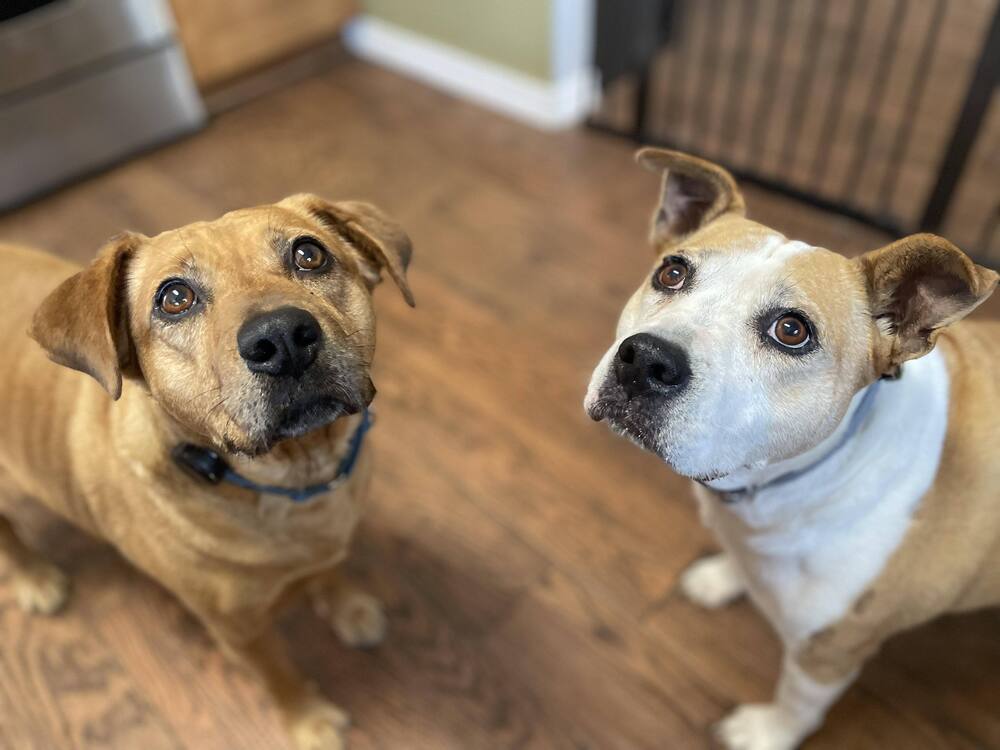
880,111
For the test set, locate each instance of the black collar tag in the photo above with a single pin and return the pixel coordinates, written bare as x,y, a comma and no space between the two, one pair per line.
209,466
200,463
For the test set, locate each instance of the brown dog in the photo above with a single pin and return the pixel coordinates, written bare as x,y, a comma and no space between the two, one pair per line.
236,354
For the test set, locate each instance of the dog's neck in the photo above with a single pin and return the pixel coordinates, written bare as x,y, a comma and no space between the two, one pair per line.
750,479
309,460
908,419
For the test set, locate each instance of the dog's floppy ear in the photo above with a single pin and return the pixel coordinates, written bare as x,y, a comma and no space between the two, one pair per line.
379,241
83,323
917,286
694,192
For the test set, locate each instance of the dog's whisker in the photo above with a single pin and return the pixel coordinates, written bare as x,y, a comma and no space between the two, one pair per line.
220,403
205,393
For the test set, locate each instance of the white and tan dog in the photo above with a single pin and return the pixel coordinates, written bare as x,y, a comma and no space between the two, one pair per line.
841,430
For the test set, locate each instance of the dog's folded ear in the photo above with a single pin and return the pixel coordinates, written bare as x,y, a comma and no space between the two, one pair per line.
694,193
83,323
917,286
379,241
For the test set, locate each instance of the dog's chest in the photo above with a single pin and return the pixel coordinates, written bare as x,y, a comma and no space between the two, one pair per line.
282,533
808,549
264,540
316,532
808,578
319,527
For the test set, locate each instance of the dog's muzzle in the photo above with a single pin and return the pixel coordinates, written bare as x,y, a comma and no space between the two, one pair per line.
280,343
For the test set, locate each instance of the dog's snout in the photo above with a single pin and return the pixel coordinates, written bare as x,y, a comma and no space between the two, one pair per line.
282,342
648,364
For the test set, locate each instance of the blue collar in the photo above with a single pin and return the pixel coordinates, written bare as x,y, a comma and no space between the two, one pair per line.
209,466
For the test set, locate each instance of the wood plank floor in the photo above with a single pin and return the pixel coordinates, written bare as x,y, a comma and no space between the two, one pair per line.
528,557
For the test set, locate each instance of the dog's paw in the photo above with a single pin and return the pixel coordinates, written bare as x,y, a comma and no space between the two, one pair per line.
359,620
712,582
758,726
41,589
320,726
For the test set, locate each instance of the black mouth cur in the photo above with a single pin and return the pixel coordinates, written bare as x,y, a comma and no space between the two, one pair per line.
218,443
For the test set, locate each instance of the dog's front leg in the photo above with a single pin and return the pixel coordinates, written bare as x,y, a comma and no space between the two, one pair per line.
39,585
313,722
800,703
356,616
713,581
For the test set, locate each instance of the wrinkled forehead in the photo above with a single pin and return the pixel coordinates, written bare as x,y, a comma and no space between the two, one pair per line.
244,235
245,243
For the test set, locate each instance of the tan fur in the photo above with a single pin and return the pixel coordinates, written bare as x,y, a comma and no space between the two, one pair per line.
950,558
919,285
892,304
872,315
693,193
232,557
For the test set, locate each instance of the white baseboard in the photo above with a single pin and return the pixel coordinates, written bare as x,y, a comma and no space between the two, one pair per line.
550,105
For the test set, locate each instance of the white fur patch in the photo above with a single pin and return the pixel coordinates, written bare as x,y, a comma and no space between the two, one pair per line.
799,706
713,581
808,548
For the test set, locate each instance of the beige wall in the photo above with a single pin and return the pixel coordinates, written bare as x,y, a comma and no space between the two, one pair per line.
513,33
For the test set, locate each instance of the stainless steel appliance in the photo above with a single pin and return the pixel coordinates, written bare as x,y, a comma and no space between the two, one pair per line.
84,83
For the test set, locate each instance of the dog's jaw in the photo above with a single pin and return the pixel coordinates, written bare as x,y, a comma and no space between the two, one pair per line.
313,414
298,420
272,410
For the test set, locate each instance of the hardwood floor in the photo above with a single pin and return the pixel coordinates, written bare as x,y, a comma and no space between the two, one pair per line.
528,557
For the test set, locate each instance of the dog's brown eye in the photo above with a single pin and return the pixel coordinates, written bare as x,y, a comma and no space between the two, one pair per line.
672,275
790,330
176,298
308,256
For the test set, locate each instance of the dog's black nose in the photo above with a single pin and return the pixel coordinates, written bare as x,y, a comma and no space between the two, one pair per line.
648,364
282,342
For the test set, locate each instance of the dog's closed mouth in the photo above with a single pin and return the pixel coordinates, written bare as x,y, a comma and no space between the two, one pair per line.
308,415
